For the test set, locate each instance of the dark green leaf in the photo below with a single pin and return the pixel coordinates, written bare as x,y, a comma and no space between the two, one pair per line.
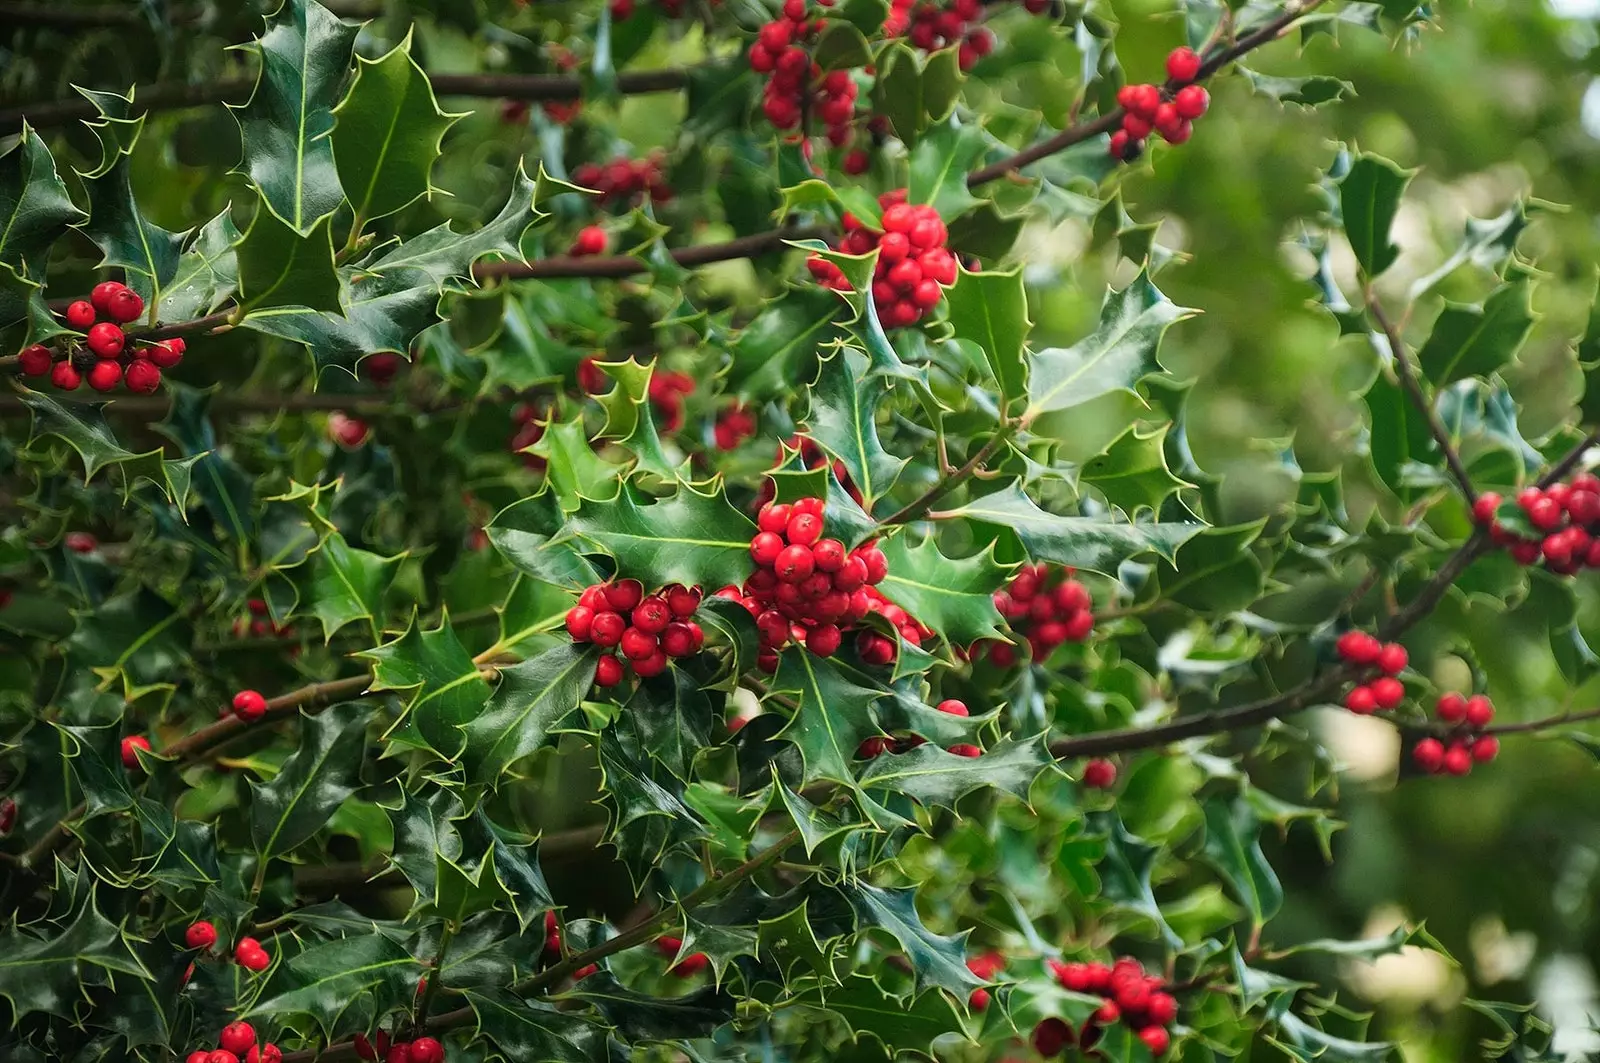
842,418
533,697
936,959
832,715
41,973
952,596
448,691
991,310
281,266
528,1030
640,1017
341,984
1233,847
1473,341
1369,198
932,776
35,208
693,538
324,770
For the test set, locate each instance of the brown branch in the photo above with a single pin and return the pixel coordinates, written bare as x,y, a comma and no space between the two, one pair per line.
1409,381
1545,724
921,504
1077,134
315,696
626,265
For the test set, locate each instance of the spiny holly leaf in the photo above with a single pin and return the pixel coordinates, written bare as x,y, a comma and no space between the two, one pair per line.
341,985
832,714
448,691
953,597
124,236
459,893
305,54
1233,847
529,1030
991,310
522,533
639,1017
324,769
1312,91
629,420
934,777
1398,441
282,266
1368,949
1369,198
387,133
46,974
899,1024
1215,571
693,538
531,700
1306,1043
424,827
941,160
207,274
646,816
137,636
673,718
23,300
82,427
912,94
730,623
780,345
936,959
1487,244
380,312
1473,341
35,207
844,405
572,468
94,755
516,860
1132,473
342,585
1120,352
1125,872
791,939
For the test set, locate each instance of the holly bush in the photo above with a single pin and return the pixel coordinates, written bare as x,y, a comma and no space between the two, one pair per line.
676,529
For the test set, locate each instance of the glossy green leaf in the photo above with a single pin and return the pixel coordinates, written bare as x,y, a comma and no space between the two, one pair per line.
447,691
937,960
1132,474
694,538
899,1024
82,426
1369,199
629,419
780,345
991,310
522,533
952,596
344,585
281,266
125,237
642,1017
35,208
323,771
1474,341
532,698
843,419
1214,571
941,159
207,273
913,92
41,970
832,714
359,977
1487,243
1233,847
931,776
529,1030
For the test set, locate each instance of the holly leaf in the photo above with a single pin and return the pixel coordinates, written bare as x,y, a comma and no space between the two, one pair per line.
912,93
936,959
342,985
447,692
1132,473
936,778
522,533
281,266
207,274
832,714
378,312
900,1024
571,465
1313,91
529,1030
991,310
780,344
288,154
1369,199
648,813
137,637
1120,352
1477,341
387,133
843,419
35,208
1487,243
532,698
673,718
459,892
323,771
953,597
1233,847
639,1017
125,237
629,420
82,426
940,161
1214,571
695,538
343,585
1125,872
41,974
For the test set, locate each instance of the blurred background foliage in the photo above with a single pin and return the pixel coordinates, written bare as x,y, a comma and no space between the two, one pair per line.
1495,100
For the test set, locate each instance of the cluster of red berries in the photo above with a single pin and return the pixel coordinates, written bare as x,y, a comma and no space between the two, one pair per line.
1466,745
626,181
247,954
109,360
1565,516
1170,113
1389,658
985,966
1047,606
934,27
591,240
796,85
1131,996
647,630
878,745
687,967
733,426
237,1042
812,589
913,262
419,1050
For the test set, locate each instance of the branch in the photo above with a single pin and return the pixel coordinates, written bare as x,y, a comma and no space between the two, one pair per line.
920,505
1534,726
1413,389
1077,134
150,406
627,265
315,696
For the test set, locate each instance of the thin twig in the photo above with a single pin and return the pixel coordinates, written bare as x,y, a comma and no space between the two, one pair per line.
1419,398
923,502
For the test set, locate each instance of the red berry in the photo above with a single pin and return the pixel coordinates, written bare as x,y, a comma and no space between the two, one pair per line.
1483,510
237,1037
965,749
580,619
877,564
677,640
652,615
201,935
824,639
198,1057
1191,101
765,548
427,1050
1161,1009
591,240
364,1047
249,705
124,305
1428,755
608,671
251,956
1485,749
35,360
1358,647
1387,692
682,601
142,377
64,376
774,517
804,528
953,706
1457,759
100,295
1156,1039
80,315
401,1053
1099,774
1451,708
1361,701
167,353
1107,1013
875,649
624,595
1183,64
1050,1037
794,563
1392,659
106,340
268,1053
221,1055
105,375
636,645
1545,513
606,629
130,747
1479,711
829,555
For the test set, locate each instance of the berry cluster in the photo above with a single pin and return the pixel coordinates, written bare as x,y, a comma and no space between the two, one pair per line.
1131,996
104,352
1168,111
986,966
420,1050
796,85
647,630
591,240
1047,607
687,967
628,182
811,589
934,27
878,745
913,262
733,426
237,1042
1565,518
1466,744
1366,652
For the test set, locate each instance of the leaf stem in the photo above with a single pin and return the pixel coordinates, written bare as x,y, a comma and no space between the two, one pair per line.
435,972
